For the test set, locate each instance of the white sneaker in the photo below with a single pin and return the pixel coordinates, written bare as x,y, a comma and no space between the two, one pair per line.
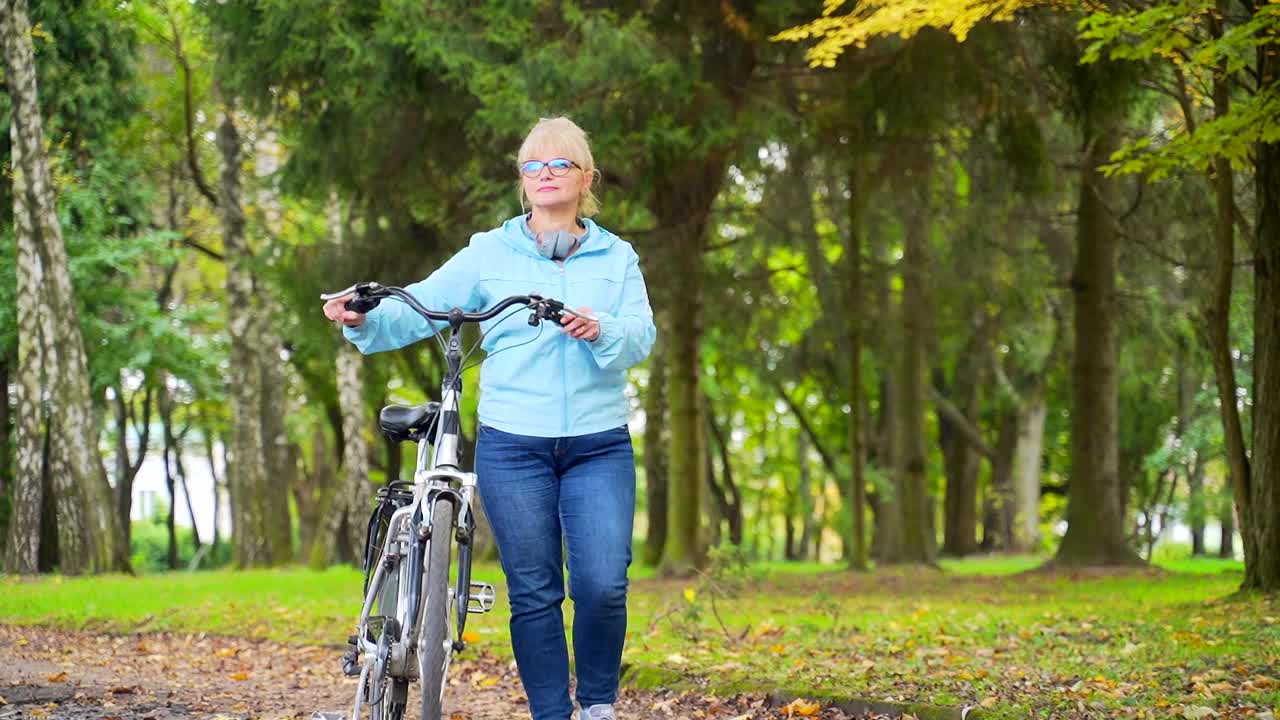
597,712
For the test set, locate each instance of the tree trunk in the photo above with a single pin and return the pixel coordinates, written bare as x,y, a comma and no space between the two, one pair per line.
804,497
918,543
856,492
1027,464
6,471
731,497
713,500
255,536
1193,468
683,205
655,454
127,468
1260,519
314,490
886,508
1227,538
960,460
1095,505
353,498
89,531
1000,528
22,547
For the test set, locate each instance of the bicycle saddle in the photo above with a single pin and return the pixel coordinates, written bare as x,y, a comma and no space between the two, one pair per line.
410,422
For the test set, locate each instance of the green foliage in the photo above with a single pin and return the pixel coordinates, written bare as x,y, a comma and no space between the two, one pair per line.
1183,35
149,546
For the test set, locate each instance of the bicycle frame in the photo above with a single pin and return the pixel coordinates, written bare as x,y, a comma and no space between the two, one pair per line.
408,533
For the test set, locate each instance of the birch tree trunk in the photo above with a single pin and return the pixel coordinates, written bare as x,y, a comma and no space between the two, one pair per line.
257,532
1030,447
89,531
352,498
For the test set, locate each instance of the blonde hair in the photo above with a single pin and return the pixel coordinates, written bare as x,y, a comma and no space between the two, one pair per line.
563,138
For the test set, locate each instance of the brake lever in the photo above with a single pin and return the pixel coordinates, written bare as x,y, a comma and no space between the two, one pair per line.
362,302
330,296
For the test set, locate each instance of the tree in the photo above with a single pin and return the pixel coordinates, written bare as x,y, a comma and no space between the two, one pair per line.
52,344
1220,40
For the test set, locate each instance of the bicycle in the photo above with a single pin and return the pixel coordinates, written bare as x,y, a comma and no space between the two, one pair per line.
413,635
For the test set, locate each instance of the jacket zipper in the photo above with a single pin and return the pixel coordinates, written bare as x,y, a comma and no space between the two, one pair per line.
564,364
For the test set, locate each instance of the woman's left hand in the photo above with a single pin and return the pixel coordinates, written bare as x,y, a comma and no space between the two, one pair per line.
580,328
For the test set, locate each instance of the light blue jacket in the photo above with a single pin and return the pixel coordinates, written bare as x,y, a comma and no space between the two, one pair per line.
536,381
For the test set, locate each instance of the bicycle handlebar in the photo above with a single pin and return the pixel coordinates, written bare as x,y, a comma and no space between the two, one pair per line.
369,294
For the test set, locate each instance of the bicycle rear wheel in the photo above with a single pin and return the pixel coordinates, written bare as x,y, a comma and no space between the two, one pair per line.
435,645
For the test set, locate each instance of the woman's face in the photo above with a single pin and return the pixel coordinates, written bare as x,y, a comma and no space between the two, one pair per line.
546,190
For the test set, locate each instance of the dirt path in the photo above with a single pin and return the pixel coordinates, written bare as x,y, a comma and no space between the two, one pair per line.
54,675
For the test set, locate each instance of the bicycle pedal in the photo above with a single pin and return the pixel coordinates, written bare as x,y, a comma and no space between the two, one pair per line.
351,658
481,598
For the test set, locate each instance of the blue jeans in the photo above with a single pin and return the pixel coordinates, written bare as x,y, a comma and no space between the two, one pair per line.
537,491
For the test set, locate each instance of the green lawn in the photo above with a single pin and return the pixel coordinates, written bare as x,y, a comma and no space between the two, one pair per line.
1158,643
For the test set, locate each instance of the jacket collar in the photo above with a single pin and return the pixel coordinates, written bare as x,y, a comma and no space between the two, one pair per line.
515,232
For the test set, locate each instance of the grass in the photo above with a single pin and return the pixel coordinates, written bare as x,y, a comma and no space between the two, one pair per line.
1153,643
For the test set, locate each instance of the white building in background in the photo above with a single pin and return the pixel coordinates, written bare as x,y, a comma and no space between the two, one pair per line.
150,496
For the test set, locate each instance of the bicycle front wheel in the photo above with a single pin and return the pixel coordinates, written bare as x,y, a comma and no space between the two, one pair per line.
435,644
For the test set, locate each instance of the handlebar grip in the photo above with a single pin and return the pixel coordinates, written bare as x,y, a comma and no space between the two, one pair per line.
362,305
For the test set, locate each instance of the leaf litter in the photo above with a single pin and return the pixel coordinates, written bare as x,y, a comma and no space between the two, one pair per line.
68,675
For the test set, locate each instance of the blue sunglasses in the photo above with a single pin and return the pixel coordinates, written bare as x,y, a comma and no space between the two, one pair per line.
559,167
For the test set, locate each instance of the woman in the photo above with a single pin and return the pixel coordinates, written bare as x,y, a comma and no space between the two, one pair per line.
554,457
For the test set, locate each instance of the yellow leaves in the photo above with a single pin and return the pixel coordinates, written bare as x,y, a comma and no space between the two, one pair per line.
871,19
471,636
228,652
239,676
801,708
1198,712
58,677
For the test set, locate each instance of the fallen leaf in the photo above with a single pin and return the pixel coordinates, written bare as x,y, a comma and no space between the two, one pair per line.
58,677
239,676
1198,712
228,652
122,690
472,636
801,707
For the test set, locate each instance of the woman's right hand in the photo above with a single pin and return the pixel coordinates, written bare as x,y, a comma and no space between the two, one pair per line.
336,311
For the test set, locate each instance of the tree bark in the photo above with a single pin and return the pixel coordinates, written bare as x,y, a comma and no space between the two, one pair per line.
89,532
856,492
1227,536
1095,505
1027,463
1193,468
655,454
728,497
258,539
683,207
353,498
1260,519
918,544
960,460
126,468
6,471
998,533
